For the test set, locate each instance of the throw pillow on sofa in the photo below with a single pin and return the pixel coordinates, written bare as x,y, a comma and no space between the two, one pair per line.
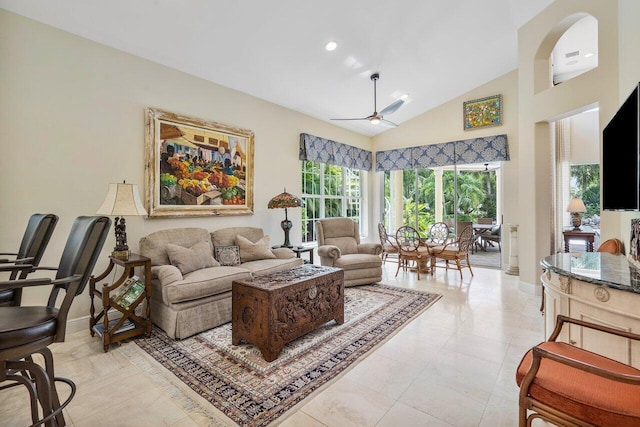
228,255
191,259
250,251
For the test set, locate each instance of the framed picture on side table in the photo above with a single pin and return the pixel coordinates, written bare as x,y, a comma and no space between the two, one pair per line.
196,167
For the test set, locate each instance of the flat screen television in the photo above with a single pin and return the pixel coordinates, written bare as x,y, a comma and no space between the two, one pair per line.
620,158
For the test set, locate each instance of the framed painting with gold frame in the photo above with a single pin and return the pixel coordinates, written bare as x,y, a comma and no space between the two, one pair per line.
196,167
483,112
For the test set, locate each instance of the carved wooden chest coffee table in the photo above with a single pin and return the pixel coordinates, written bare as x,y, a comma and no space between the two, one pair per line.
271,310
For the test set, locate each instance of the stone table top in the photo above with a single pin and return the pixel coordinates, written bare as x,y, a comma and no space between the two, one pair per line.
599,268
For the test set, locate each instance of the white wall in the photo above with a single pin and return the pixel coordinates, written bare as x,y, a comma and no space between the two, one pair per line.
585,138
72,121
540,104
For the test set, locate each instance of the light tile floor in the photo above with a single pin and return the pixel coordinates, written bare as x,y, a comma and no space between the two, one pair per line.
452,366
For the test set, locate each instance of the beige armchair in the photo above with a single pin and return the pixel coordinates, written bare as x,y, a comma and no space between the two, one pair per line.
339,246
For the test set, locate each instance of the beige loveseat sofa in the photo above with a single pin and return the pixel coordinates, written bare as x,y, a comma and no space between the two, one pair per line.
191,291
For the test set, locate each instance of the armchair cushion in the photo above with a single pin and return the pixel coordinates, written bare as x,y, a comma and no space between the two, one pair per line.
250,251
190,259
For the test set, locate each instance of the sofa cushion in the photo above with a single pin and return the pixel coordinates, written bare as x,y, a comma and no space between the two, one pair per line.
228,255
250,251
190,259
266,266
227,236
154,246
203,283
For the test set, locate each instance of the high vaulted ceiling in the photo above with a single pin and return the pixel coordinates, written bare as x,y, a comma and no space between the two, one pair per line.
434,50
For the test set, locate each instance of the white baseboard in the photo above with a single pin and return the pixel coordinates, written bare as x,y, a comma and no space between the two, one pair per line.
530,288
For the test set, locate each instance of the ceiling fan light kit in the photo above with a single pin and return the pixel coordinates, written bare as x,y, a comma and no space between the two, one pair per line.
378,118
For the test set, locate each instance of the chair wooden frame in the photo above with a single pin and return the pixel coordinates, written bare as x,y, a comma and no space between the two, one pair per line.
389,244
455,251
540,410
412,249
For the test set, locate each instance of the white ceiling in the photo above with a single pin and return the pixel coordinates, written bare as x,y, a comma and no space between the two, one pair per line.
434,50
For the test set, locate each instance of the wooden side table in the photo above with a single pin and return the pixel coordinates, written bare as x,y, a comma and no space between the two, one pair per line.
301,249
113,331
586,233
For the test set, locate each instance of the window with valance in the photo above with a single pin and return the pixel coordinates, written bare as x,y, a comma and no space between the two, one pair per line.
331,181
477,150
321,150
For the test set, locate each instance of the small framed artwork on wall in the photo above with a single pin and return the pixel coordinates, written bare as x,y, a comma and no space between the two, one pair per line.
483,112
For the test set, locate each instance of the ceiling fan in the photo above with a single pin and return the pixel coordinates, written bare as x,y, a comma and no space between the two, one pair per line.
377,117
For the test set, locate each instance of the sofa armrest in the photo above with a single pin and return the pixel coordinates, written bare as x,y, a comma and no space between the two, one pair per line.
283,253
370,248
329,251
166,274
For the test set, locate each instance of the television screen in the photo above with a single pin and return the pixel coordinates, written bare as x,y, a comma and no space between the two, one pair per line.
620,154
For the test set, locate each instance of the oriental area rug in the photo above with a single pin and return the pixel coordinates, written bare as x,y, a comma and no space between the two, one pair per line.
240,384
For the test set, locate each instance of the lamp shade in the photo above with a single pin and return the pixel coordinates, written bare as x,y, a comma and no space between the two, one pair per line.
576,205
122,199
285,200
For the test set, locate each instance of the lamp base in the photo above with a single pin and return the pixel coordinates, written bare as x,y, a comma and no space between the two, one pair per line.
576,221
286,226
122,255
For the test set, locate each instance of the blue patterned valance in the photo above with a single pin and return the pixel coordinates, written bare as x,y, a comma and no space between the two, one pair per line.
477,150
482,150
316,149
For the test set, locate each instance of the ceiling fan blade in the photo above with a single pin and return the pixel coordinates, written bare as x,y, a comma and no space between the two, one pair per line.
387,123
362,118
393,107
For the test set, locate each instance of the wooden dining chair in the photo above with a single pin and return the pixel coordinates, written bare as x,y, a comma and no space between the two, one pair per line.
454,252
389,245
411,249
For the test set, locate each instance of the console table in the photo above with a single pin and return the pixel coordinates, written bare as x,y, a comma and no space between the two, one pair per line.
585,233
595,287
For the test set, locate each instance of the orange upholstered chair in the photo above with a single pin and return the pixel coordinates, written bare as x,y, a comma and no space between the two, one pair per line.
612,246
570,386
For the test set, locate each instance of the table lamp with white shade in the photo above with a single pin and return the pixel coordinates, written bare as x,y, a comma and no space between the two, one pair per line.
122,200
576,206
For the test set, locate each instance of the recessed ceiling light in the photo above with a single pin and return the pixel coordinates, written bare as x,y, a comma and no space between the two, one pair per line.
332,45
588,55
